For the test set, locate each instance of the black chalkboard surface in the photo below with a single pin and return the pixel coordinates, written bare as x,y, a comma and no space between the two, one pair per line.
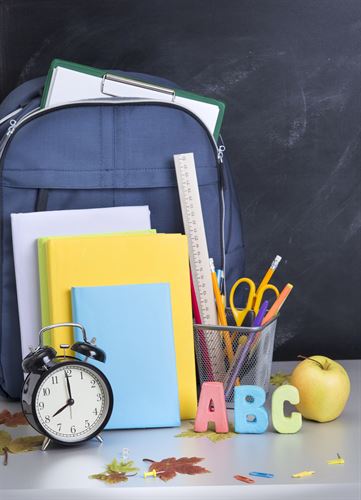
289,73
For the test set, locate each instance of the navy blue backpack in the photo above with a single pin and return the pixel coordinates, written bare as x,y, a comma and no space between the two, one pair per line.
104,153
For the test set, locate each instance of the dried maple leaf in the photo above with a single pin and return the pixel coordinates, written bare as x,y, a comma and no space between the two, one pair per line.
110,478
5,440
18,445
116,472
4,416
28,443
211,434
12,419
168,468
279,378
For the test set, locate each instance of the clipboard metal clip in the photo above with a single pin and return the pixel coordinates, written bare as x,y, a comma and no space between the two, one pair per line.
135,83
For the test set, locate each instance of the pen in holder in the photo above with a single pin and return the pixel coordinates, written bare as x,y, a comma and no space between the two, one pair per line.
252,354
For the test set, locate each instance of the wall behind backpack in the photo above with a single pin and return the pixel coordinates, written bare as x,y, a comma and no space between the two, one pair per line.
289,73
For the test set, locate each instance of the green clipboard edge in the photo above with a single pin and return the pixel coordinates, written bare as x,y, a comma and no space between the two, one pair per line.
43,274
100,74
221,106
68,65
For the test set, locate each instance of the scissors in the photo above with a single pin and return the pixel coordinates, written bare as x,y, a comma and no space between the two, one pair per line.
254,298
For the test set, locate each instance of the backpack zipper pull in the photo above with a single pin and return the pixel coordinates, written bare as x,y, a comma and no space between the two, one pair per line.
221,149
11,127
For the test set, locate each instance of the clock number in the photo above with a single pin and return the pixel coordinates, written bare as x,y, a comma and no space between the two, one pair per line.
81,375
59,427
99,397
87,425
54,379
73,429
41,405
92,383
47,418
46,391
95,411
68,372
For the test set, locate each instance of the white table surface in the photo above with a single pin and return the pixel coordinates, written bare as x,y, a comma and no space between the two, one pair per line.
61,473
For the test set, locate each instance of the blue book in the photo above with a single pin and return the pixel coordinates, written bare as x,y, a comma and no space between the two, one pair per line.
133,325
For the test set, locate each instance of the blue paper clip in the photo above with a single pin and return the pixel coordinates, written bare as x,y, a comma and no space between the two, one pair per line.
261,474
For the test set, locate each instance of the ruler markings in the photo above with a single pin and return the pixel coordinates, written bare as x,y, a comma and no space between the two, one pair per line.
198,255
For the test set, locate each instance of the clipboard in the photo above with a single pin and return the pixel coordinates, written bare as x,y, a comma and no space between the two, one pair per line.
70,82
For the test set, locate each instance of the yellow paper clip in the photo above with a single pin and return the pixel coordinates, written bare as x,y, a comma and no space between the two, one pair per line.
305,473
336,461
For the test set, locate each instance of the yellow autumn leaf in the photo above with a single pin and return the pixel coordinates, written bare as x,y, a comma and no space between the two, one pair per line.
28,443
280,378
211,434
5,440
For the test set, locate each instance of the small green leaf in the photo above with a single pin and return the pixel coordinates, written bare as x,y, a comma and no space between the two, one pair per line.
28,443
280,378
210,434
116,472
5,440
121,466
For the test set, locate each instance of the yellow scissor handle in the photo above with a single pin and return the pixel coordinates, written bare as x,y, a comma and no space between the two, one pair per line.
239,315
260,293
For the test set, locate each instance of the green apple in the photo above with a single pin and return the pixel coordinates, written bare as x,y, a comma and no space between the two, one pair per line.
324,388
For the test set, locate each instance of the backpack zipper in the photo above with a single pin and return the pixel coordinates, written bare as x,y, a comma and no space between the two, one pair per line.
14,125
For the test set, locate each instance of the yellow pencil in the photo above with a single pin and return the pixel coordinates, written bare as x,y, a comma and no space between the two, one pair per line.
221,312
270,272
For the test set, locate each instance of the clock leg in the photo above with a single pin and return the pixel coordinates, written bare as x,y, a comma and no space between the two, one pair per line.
99,438
45,443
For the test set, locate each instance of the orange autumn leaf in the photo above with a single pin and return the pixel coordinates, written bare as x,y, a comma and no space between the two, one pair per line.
12,419
168,468
4,416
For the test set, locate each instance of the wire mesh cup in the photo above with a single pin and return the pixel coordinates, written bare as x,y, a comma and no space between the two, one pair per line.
235,355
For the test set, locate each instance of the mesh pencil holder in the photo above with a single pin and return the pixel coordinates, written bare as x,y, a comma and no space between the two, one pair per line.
235,355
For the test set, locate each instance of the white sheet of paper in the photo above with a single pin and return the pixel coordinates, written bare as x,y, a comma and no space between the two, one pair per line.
68,86
28,227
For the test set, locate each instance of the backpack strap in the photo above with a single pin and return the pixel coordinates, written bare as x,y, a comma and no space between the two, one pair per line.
42,200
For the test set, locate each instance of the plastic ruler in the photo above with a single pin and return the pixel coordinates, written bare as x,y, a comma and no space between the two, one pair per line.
198,255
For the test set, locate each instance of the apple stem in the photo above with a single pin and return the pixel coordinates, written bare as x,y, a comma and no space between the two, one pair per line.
311,359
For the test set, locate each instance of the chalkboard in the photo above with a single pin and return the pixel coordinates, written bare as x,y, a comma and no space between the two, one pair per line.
289,73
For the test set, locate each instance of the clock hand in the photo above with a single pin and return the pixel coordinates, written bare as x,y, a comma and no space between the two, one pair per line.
68,384
69,391
62,408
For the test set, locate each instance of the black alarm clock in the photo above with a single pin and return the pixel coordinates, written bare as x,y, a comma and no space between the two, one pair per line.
64,398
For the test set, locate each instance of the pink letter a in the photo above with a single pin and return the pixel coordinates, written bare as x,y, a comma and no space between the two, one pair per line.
211,408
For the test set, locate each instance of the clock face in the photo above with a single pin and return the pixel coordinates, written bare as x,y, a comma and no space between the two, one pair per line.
72,402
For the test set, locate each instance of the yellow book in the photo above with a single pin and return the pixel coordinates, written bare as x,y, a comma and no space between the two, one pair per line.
43,276
126,259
